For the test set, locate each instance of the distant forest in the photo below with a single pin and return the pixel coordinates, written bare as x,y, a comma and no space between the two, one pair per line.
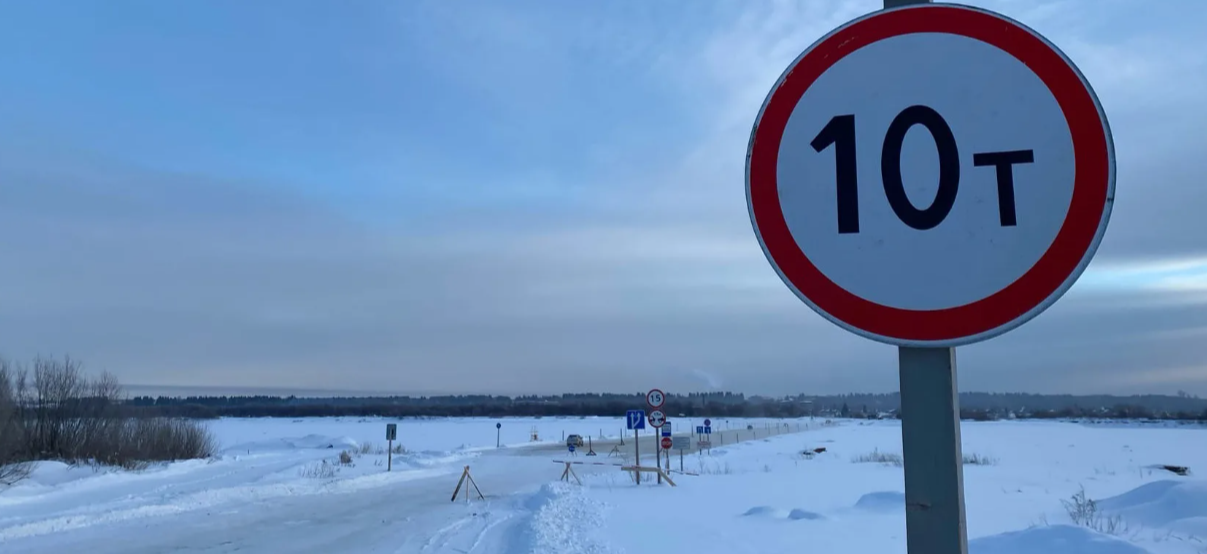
974,405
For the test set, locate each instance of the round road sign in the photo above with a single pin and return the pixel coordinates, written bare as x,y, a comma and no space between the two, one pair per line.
655,398
931,175
657,418
666,443
708,423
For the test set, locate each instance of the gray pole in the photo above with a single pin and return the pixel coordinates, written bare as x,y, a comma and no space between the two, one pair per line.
930,439
658,452
637,454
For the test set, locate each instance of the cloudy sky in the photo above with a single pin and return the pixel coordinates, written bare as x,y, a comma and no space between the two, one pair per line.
479,196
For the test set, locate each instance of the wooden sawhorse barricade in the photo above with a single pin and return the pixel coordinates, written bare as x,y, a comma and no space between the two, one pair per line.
465,477
656,470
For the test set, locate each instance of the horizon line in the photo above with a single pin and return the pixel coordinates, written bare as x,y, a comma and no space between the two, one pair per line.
284,392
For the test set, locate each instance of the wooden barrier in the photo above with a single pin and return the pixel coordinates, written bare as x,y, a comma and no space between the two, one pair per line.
638,469
464,478
569,473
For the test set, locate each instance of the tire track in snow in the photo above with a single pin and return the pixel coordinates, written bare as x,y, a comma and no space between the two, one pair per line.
487,529
440,537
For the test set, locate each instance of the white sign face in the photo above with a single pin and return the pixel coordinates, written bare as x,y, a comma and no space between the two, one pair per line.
655,398
972,251
657,418
931,178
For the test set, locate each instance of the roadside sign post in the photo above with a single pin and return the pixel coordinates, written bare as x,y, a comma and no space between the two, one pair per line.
666,445
498,434
658,458
1011,184
657,420
666,442
655,399
636,421
681,444
391,435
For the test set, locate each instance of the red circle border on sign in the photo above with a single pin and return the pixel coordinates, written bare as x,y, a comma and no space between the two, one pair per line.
652,391
1065,256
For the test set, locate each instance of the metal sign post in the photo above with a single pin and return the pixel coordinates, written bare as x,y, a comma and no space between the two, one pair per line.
636,421
498,434
1012,180
391,434
655,399
657,420
667,440
658,458
681,444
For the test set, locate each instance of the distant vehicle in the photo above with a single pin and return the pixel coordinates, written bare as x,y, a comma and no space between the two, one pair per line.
574,440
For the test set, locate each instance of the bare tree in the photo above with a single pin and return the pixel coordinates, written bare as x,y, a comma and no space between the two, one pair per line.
14,465
61,413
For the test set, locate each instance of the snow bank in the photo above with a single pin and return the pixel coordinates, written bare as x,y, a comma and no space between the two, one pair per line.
567,521
1055,539
777,513
307,442
1179,506
882,501
49,474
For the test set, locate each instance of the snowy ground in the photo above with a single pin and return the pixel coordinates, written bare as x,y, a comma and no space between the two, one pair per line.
278,486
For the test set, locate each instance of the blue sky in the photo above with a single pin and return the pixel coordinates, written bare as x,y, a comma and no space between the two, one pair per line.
512,197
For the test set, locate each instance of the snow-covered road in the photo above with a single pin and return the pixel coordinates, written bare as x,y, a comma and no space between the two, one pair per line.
414,515
255,498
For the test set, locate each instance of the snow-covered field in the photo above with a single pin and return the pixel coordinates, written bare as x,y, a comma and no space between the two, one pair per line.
278,486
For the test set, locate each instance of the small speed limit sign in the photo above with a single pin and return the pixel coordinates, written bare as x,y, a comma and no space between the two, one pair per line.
655,398
930,176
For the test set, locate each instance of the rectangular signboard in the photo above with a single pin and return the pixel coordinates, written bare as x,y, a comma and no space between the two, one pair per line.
391,431
635,419
681,443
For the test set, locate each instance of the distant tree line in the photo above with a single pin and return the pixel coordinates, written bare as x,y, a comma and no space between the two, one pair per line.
974,406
